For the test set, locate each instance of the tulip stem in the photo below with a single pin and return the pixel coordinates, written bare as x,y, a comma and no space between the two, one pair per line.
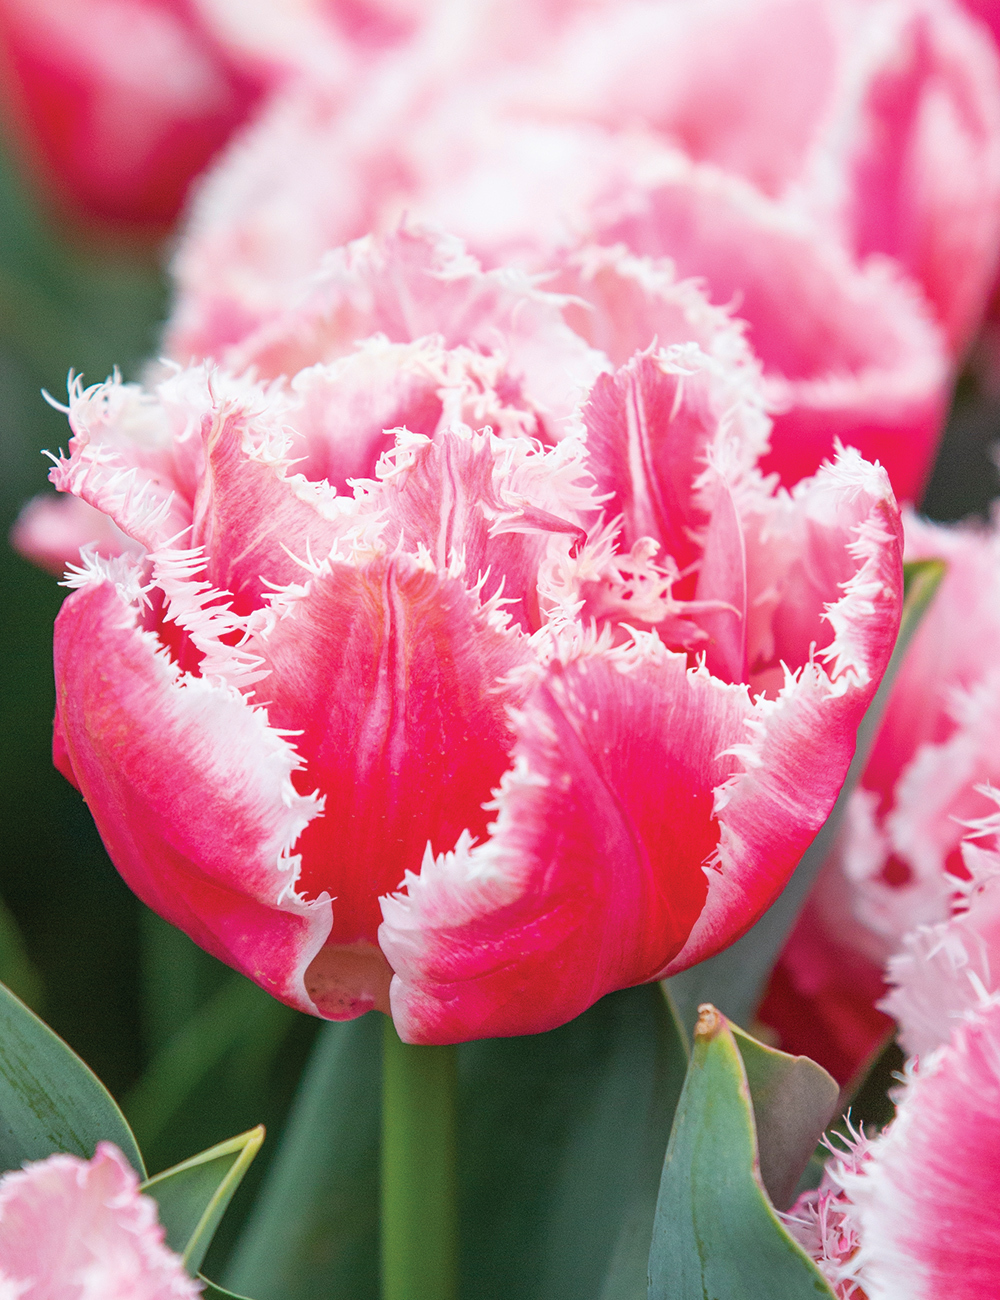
419,1218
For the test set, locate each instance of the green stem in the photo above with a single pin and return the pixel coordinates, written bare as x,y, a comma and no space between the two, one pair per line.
419,1221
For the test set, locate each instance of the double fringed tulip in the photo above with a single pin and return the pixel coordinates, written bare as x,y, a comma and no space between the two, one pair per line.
82,1230
912,1215
482,718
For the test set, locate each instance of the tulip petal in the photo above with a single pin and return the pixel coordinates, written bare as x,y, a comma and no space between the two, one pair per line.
859,358
593,873
191,790
394,678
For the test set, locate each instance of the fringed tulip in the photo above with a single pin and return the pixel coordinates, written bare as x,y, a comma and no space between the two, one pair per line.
477,727
899,853
912,1214
81,1230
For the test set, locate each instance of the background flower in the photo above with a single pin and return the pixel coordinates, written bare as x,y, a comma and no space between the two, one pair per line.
81,1229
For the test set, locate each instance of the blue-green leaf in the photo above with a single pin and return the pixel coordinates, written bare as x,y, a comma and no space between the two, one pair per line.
193,1195
716,1234
793,1101
49,1100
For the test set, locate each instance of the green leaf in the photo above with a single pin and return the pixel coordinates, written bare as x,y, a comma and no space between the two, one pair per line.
561,1139
237,1009
211,1291
716,1235
314,1227
49,1100
17,970
193,1195
793,1101
734,980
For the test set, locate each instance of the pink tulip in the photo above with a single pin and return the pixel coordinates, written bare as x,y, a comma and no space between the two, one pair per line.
561,714
912,1215
894,866
81,1230
121,102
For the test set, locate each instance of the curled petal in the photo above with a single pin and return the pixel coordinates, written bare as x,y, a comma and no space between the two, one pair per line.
593,872
191,790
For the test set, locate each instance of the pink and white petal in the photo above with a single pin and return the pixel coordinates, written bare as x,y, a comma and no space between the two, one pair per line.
804,739
682,68
926,1199
940,972
825,557
191,790
859,358
501,513
253,519
347,407
123,461
649,427
51,531
81,1230
396,680
594,871
623,304
938,664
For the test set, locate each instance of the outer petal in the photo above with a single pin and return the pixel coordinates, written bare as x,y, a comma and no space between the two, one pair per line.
926,1200
942,971
81,1230
922,146
593,872
191,791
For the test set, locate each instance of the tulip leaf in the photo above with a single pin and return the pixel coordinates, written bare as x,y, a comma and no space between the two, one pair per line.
734,980
794,1100
314,1226
561,1138
193,1195
211,1291
49,1099
716,1233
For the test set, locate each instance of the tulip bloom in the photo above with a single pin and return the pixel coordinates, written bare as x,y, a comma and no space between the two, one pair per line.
912,1215
899,857
561,714
122,102
81,1230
